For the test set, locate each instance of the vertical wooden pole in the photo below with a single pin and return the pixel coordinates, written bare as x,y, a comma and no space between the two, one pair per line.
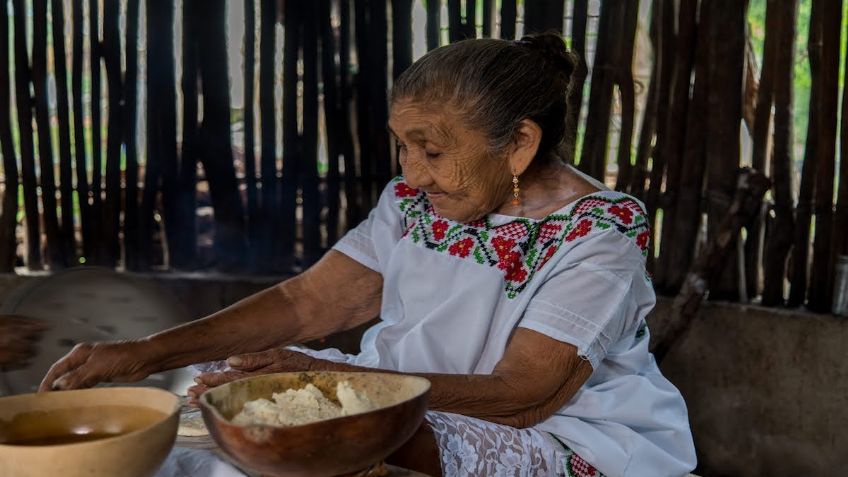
624,78
804,209
727,56
8,217
309,180
131,198
49,213
821,286
508,17
95,93
112,62
291,154
185,238
761,140
401,36
215,144
161,128
544,16
66,178
24,109
687,220
80,162
781,230
580,15
249,140
434,18
672,140
593,157
332,118
269,205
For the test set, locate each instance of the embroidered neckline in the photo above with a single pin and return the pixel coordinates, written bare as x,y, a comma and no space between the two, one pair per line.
521,246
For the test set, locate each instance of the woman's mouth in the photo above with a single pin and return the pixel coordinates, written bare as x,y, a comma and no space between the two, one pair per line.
435,195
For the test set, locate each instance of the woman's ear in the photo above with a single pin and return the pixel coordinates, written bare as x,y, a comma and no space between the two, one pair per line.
525,145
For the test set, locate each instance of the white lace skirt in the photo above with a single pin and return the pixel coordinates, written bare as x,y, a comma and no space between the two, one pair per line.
472,447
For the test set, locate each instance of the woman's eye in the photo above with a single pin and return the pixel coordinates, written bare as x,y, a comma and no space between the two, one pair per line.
432,155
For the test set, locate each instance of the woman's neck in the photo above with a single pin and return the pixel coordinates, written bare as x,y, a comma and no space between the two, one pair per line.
545,189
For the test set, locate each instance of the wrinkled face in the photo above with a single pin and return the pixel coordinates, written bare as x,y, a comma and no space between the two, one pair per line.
449,161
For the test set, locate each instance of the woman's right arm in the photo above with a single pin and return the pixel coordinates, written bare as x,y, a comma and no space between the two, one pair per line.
335,294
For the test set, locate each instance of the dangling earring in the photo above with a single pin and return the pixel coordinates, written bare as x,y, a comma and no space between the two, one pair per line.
516,200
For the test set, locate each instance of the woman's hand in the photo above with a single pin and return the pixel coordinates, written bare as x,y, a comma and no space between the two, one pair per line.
91,363
18,336
275,360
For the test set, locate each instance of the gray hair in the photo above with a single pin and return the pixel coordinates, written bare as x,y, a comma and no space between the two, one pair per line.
496,84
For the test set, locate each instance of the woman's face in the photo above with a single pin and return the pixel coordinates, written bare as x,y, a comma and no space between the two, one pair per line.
441,156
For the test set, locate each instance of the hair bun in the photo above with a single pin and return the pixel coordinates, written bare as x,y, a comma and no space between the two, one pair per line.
552,47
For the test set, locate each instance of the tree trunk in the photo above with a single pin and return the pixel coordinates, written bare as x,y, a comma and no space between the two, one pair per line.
66,173
8,217
781,230
45,145
747,201
821,287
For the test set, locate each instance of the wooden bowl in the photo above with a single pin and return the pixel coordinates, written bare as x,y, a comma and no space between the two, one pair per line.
101,432
325,448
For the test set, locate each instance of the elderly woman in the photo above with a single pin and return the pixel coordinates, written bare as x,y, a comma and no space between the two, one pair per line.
515,284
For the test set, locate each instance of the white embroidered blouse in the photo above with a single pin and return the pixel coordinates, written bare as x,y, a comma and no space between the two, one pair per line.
453,293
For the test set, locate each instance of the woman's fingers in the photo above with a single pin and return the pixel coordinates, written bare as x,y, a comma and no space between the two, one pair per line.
76,358
211,380
253,361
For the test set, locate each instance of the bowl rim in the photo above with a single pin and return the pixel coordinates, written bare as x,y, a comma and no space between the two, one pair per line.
117,438
205,404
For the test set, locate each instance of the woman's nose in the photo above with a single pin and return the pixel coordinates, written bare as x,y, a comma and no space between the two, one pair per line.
415,174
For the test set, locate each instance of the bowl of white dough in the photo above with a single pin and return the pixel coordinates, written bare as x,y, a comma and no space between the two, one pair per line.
314,423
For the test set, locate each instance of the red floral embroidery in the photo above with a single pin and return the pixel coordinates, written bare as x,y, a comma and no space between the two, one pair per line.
439,229
642,240
580,467
502,245
548,254
510,263
403,190
625,214
583,228
462,248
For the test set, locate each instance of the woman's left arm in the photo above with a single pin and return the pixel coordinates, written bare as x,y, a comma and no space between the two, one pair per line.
536,376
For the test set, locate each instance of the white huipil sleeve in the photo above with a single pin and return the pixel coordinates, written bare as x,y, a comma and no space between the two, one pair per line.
597,293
